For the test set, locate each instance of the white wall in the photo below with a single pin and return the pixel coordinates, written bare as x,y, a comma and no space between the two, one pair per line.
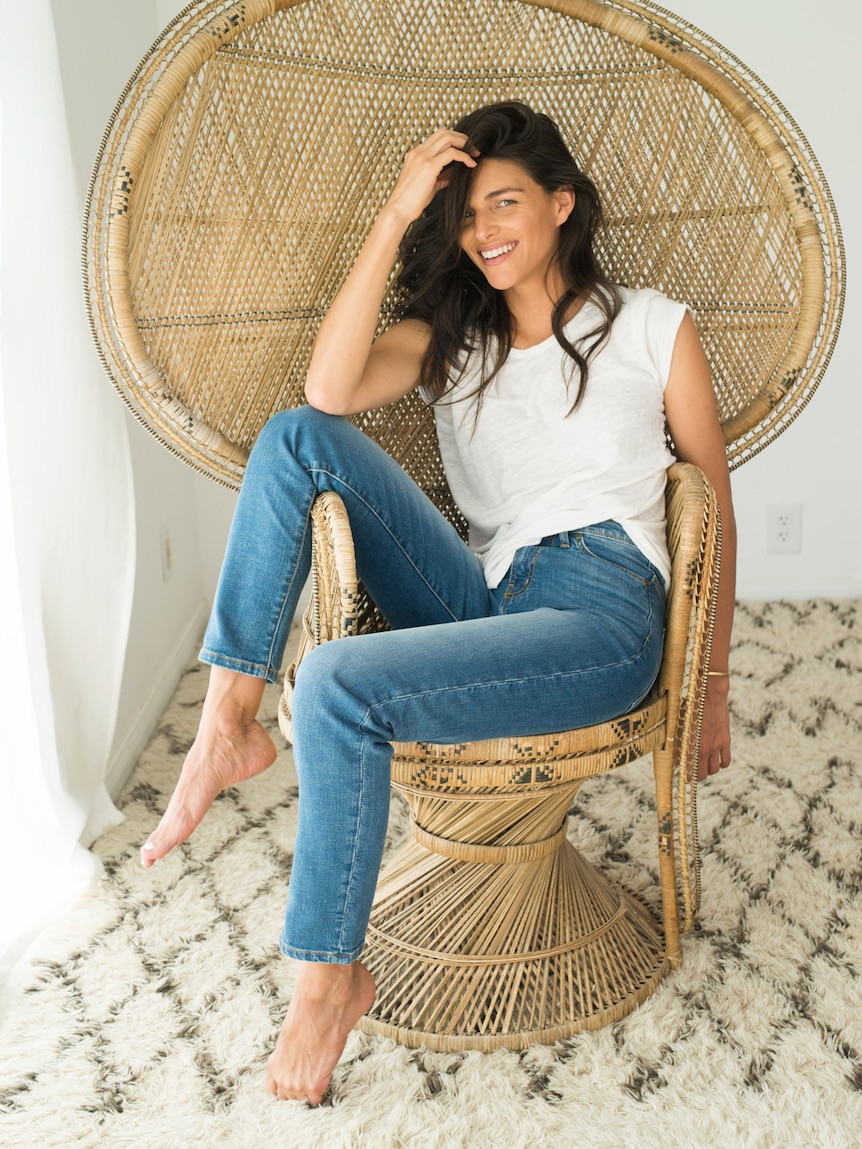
814,463
807,56
100,43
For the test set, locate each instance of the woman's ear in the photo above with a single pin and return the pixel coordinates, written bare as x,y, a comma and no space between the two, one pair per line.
565,197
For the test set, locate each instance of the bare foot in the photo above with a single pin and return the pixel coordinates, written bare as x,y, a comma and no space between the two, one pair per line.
328,1002
231,747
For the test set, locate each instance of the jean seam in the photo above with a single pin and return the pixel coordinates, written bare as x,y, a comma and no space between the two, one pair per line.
507,597
266,668
390,531
290,586
357,835
516,681
309,955
584,549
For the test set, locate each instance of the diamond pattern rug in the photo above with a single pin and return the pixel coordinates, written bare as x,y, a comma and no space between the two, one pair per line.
147,1012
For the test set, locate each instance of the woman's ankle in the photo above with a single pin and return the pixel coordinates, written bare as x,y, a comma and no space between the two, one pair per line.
232,701
326,981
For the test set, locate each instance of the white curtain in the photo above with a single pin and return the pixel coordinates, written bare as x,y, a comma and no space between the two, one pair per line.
66,506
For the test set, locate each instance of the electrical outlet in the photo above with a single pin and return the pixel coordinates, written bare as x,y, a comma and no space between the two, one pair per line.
784,528
165,546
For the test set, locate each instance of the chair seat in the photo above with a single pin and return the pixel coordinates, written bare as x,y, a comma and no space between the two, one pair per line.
539,760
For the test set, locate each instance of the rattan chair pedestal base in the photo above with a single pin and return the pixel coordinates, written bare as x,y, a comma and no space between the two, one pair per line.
483,945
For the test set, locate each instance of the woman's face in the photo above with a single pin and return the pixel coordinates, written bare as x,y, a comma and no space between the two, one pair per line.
511,226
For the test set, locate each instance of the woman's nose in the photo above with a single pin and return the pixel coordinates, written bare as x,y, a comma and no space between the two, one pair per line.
484,226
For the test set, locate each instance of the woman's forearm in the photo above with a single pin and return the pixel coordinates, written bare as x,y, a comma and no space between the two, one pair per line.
344,341
720,658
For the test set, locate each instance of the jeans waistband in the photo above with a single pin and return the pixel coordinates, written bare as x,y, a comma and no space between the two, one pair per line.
564,538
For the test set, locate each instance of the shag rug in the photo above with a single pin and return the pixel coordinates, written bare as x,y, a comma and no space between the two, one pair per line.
146,1014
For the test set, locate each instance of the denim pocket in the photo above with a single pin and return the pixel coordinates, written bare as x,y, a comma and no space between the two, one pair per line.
613,546
520,574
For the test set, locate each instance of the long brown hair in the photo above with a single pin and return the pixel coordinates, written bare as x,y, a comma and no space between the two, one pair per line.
441,285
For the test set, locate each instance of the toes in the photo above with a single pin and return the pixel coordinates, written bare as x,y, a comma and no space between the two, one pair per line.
174,828
152,850
158,844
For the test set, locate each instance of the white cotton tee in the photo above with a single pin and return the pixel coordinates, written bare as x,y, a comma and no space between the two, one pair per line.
527,468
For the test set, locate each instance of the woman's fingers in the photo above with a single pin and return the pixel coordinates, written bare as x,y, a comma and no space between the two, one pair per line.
425,169
443,139
439,151
715,733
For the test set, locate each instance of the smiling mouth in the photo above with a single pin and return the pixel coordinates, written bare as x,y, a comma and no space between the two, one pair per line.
496,252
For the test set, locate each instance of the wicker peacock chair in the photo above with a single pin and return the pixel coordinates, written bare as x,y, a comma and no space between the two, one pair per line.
236,180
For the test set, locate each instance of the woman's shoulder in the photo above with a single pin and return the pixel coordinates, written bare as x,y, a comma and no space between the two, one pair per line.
636,305
647,310
650,320
643,299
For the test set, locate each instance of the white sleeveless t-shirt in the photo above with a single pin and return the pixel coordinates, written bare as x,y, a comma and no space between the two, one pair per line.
526,468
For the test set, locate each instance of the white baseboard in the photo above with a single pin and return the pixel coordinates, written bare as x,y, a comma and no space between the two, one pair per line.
124,756
797,590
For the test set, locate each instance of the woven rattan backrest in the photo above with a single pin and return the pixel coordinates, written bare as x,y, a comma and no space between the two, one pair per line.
254,145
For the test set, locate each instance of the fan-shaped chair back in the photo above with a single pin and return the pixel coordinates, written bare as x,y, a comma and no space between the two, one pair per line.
257,140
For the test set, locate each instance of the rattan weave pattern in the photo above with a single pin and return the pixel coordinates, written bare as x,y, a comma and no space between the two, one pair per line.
561,950
254,146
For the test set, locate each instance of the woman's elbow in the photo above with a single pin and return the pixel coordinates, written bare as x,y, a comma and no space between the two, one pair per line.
320,397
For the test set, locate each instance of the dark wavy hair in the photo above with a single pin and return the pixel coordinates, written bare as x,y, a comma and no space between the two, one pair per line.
440,284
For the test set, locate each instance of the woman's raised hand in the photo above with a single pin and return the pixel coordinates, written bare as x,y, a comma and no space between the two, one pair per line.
347,374
427,168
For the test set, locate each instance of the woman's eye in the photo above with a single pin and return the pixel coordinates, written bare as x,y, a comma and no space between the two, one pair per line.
505,202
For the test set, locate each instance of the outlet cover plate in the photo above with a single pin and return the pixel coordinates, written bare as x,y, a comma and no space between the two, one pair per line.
783,528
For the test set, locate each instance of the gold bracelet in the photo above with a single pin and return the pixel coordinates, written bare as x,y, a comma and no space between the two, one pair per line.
718,674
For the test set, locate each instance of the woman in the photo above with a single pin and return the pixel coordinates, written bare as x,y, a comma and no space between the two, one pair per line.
550,387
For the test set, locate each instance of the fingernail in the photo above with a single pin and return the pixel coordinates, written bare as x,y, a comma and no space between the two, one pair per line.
148,846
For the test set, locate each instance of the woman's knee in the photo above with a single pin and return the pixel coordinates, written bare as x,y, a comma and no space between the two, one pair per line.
297,433
283,426
328,678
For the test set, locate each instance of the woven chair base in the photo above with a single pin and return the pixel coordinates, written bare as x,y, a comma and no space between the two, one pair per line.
490,946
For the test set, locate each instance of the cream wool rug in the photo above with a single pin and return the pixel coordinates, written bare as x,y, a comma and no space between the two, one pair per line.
147,1012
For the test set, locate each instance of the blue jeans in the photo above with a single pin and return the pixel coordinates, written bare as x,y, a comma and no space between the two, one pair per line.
570,637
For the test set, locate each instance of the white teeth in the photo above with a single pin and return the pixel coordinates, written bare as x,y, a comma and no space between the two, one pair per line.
495,251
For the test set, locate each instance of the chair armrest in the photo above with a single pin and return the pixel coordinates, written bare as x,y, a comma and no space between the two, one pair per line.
340,605
333,610
335,593
694,541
